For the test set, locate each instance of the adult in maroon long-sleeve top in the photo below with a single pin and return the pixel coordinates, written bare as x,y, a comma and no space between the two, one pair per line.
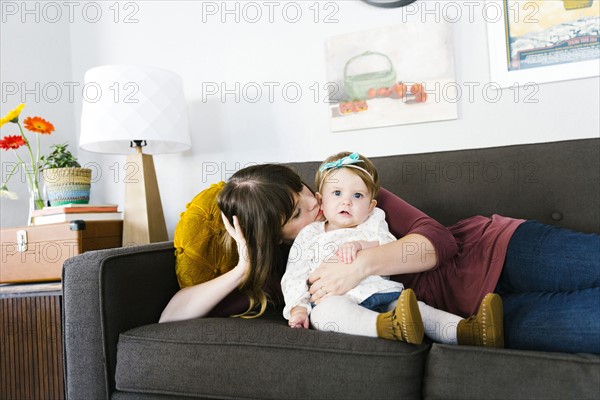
548,277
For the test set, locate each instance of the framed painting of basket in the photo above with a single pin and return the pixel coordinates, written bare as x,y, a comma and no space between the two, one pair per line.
394,75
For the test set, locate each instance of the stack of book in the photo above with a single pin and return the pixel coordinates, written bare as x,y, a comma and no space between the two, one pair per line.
72,212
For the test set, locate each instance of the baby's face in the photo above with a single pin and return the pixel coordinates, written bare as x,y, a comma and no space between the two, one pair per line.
346,200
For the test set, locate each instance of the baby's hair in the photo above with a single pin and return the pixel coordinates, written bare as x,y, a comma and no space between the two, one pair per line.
366,170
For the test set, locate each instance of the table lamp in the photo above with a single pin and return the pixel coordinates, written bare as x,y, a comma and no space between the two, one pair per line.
137,111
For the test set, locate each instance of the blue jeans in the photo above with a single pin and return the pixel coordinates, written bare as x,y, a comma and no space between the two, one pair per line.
378,302
550,288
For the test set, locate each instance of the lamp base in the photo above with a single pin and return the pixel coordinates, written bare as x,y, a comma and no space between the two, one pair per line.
143,218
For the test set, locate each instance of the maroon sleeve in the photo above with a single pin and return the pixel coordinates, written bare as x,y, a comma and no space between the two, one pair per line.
236,302
404,219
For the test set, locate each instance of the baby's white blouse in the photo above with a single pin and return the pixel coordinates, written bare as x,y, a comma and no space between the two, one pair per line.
313,246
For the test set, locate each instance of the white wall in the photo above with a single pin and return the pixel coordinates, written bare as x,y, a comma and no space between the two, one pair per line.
226,135
35,65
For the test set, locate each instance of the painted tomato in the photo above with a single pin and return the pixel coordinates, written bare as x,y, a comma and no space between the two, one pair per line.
372,93
399,89
421,97
360,106
346,107
416,88
384,92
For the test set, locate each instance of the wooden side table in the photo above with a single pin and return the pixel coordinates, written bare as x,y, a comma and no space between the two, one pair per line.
31,350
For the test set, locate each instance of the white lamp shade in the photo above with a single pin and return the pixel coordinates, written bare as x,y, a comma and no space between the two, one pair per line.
123,103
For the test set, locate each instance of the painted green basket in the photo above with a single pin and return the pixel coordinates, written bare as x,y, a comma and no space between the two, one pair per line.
357,86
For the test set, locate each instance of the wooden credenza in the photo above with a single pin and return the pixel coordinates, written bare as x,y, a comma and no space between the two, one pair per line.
31,361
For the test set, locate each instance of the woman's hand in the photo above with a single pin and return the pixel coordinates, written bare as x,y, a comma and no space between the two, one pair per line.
236,233
333,278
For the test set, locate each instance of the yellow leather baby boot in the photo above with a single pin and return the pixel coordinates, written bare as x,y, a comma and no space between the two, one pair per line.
404,323
487,327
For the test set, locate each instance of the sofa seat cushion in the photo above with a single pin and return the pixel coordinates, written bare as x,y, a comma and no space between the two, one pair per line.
264,359
461,372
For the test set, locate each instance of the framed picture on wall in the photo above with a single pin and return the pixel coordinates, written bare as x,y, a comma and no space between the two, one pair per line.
542,41
391,75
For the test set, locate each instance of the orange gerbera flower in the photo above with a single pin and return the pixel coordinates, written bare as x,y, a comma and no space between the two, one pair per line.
39,125
12,142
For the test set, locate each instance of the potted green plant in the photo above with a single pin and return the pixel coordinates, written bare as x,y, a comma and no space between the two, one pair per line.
66,182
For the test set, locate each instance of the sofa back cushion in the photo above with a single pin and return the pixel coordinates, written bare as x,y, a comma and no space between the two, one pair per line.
554,183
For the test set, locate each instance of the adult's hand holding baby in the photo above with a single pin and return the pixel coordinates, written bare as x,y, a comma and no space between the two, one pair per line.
334,278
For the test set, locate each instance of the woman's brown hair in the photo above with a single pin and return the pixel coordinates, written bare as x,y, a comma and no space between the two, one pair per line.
263,197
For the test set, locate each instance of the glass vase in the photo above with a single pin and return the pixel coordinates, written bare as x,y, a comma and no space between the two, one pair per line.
36,201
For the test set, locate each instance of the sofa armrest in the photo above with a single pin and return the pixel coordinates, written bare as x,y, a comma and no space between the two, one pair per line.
107,292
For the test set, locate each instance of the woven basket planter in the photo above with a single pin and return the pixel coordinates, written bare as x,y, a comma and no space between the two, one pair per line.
68,185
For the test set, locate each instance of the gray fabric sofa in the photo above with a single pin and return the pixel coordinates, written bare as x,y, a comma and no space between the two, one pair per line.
114,347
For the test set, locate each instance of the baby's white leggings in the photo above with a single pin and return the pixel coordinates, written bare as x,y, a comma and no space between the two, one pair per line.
342,314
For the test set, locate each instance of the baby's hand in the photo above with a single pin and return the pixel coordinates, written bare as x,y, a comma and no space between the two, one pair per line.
298,318
348,251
